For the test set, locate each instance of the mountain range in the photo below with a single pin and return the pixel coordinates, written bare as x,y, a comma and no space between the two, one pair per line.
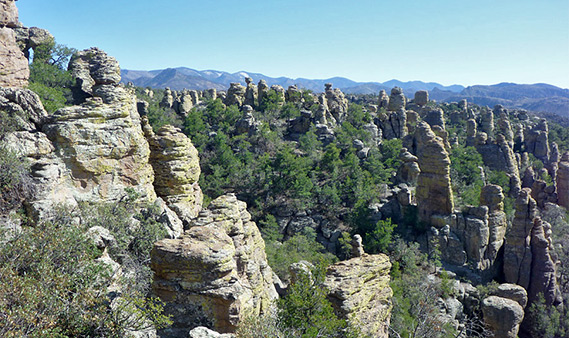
533,97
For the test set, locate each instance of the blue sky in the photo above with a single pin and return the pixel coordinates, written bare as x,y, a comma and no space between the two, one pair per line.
447,41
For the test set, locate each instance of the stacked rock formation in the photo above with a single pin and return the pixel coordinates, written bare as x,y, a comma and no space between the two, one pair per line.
492,197
250,92
517,250
216,272
96,74
235,95
409,170
359,292
262,90
14,71
563,181
421,97
528,255
434,191
336,102
177,170
537,141
383,100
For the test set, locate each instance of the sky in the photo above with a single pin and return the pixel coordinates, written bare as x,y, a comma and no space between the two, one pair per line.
446,41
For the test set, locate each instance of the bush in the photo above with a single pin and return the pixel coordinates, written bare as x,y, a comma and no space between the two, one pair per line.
52,286
15,181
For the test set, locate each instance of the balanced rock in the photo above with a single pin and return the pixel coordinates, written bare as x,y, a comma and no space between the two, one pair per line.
502,316
177,170
359,292
92,69
216,273
250,92
262,90
409,170
434,191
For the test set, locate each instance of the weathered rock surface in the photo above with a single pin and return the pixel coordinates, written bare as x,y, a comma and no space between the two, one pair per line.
517,249
14,71
434,191
409,170
397,100
93,69
204,332
563,181
216,272
492,197
336,102
177,170
502,316
537,141
421,97
513,292
250,92
359,292
543,276
383,100
8,13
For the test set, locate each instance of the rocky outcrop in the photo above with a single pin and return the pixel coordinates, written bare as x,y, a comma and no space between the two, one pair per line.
177,170
492,197
235,95
8,13
383,100
359,292
421,97
537,141
543,277
393,124
336,102
434,191
168,99
247,124
94,72
397,100
562,180
517,249
435,117
14,71
216,272
486,124
204,332
262,90
250,92
502,316
409,170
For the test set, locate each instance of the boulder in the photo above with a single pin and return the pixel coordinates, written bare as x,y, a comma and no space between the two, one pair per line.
502,316
513,292
216,273
204,332
421,97
359,292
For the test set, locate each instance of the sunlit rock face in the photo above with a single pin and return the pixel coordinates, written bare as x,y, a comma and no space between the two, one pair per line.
216,273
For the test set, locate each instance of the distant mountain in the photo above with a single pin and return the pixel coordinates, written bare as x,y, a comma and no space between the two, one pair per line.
180,78
538,97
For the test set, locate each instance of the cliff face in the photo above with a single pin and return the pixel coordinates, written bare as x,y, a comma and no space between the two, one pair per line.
359,292
216,273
